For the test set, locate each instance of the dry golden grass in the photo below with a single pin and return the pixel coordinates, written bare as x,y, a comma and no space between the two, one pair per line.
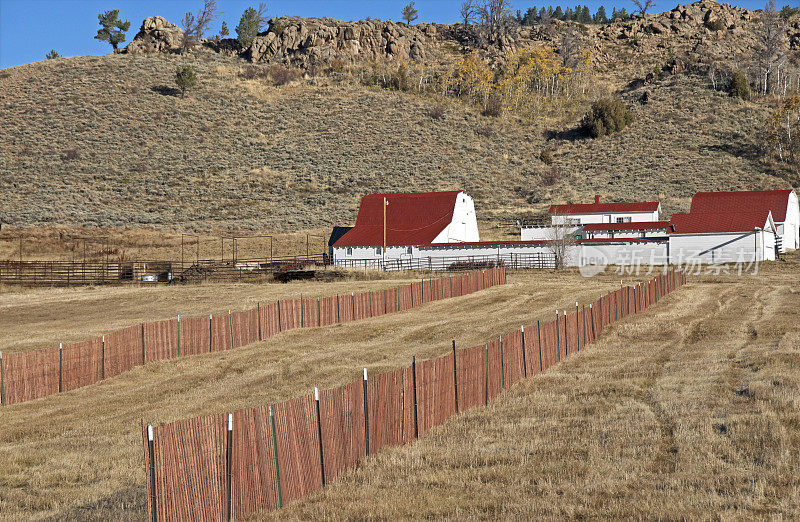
682,411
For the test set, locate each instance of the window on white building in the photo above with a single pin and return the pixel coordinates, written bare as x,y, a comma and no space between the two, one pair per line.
349,251
378,250
409,250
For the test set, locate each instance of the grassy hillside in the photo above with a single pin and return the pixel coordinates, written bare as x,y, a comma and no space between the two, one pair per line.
103,141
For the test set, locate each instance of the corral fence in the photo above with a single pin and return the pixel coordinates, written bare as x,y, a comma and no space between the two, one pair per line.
231,466
30,375
69,273
455,263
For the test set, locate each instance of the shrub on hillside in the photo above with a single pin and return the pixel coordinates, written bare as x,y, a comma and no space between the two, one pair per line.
547,156
607,117
437,112
282,75
494,105
739,86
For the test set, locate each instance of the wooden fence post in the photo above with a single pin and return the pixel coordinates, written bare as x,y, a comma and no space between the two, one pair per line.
524,357
486,375
279,316
228,465
103,358
366,416
558,339
414,385
275,457
502,367
258,311
152,466
60,367
591,318
319,436
230,326
539,335
455,376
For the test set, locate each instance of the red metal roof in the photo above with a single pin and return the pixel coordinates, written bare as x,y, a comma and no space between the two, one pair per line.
776,201
539,242
709,222
411,219
599,208
640,225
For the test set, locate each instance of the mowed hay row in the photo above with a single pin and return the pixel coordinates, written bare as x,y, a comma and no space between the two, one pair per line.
429,394
43,317
687,410
89,452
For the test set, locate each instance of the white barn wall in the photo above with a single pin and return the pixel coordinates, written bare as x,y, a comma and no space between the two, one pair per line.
464,225
722,247
789,229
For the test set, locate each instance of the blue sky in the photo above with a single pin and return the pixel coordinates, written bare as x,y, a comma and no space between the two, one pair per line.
30,28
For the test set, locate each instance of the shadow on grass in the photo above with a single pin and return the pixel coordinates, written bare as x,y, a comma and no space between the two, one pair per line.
165,91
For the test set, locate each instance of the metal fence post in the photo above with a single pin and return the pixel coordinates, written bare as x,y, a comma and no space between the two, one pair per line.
558,339
578,325
338,316
455,376
152,465
302,312
566,336
144,359
524,357
210,333
319,436
2,383
366,416
60,367
414,385
179,335
591,318
229,465
539,335
319,312
103,358
275,457
353,301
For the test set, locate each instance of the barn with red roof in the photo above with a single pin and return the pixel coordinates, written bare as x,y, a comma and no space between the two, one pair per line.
782,203
722,237
391,226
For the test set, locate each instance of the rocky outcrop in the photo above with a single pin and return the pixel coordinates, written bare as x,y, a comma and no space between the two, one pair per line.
308,41
156,36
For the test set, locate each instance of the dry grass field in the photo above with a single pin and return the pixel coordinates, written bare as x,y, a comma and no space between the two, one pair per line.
687,410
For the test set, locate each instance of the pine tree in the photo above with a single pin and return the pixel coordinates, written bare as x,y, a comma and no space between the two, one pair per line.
186,78
223,31
600,17
52,55
558,14
112,29
586,15
250,24
409,14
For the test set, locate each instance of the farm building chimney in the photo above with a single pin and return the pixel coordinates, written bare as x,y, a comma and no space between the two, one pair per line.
596,199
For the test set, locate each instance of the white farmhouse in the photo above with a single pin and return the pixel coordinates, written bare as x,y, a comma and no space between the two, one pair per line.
782,203
722,237
568,219
403,222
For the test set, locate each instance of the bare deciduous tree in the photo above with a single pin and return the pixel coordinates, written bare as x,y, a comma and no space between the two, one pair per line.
495,16
560,238
642,6
194,26
770,52
469,11
570,48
